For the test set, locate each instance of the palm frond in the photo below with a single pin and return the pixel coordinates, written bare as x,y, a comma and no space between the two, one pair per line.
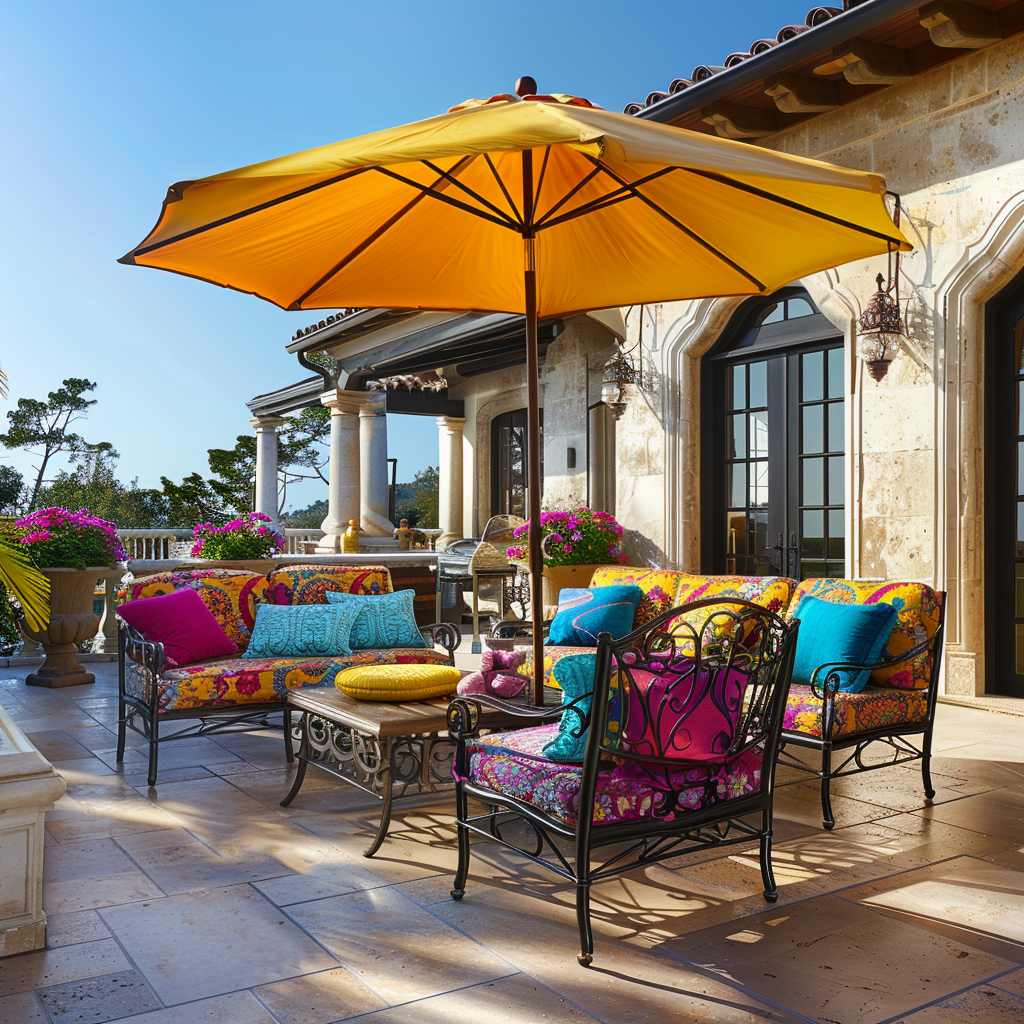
25,582
3,383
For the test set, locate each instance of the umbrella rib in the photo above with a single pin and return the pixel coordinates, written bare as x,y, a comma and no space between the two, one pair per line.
568,195
608,199
792,204
675,222
269,204
375,234
501,184
431,190
540,177
465,188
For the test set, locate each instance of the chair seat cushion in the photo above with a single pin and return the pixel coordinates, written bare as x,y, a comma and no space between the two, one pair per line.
872,708
254,680
398,682
552,655
510,764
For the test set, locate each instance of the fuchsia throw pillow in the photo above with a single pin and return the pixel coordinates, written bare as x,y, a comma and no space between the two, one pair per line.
683,714
182,623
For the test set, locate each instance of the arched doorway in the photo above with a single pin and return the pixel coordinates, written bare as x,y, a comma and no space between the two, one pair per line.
509,465
774,454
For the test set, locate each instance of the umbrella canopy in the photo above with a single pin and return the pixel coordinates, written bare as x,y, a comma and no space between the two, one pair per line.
544,206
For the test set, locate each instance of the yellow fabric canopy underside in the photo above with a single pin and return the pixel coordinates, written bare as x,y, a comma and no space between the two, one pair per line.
430,215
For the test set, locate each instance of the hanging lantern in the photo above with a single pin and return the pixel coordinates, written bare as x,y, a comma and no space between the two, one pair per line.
619,372
880,326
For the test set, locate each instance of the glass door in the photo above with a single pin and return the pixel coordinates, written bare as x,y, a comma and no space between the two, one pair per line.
509,465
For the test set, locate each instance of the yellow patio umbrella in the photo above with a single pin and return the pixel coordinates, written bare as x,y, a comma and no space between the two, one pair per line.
540,205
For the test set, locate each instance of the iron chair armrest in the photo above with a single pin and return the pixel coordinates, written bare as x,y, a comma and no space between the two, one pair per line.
825,678
444,634
510,629
464,713
134,646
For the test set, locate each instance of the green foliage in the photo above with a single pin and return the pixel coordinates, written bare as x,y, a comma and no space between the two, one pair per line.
11,485
8,629
190,500
236,470
424,505
44,428
576,536
308,518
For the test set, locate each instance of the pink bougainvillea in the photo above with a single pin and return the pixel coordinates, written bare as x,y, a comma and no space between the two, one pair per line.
578,536
58,538
245,537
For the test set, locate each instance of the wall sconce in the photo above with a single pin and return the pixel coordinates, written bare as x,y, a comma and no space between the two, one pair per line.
621,372
880,326
409,382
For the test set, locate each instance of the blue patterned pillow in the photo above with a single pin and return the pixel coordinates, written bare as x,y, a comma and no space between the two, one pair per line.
583,614
382,620
576,677
301,631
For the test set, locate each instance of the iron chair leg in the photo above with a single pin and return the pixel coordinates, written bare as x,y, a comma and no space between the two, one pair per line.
289,752
122,729
926,765
828,820
771,890
586,957
154,742
462,872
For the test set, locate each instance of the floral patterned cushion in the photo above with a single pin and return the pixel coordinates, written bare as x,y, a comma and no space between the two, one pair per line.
308,584
552,655
509,764
231,595
254,680
658,586
872,708
771,592
917,621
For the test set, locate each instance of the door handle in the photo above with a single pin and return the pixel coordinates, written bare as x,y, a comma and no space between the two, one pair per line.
794,556
778,547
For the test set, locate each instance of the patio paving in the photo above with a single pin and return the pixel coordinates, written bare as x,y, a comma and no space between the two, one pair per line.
204,900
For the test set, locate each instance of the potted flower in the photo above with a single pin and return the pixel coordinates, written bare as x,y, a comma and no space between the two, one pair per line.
574,542
70,549
245,539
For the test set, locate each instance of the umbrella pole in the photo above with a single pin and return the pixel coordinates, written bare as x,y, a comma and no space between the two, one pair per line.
533,430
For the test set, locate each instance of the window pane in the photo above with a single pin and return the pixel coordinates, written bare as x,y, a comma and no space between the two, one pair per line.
813,365
775,314
1020,649
813,492
836,429
1020,407
738,488
1020,467
812,570
759,434
759,484
1020,528
737,437
835,373
758,385
835,570
813,435
735,535
797,308
736,385
1019,607
757,533
813,543
836,481
837,534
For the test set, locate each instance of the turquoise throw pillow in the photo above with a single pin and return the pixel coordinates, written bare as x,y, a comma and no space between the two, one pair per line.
576,676
301,631
832,632
583,614
382,620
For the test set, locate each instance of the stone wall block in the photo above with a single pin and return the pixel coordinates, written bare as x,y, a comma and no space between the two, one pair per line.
897,420
897,483
1004,64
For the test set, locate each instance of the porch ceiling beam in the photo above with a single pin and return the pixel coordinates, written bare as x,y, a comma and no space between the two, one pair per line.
866,63
960,26
735,121
798,94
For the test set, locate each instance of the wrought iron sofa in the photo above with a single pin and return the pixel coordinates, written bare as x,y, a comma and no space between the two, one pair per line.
682,728
238,693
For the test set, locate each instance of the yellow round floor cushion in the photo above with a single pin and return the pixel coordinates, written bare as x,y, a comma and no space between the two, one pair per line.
398,682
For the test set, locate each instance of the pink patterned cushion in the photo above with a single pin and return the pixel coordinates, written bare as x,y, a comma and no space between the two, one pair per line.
872,708
182,623
509,764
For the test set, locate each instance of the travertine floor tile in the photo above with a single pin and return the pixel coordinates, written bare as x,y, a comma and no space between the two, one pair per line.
834,960
1012,982
981,1005
208,943
400,949
57,745
108,997
999,814
56,966
84,876
236,1008
22,1008
319,998
67,929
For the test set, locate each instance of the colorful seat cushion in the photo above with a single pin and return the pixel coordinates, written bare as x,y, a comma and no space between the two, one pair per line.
771,592
552,657
398,682
182,623
309,584
231,595
917,621
252,680
872,708
382,620
301,631
658,587
570,740
507,764
583,614
832,633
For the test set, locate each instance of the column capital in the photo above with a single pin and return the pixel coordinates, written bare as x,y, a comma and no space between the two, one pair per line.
375,403
266,422
453,423
339,401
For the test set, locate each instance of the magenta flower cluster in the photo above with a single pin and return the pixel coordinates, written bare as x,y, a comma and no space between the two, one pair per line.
72,530
258,539
576,536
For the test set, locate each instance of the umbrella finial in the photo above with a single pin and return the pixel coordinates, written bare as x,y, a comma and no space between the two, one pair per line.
526,86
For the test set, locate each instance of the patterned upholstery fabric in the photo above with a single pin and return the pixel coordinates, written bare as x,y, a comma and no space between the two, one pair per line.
552,655
308,584
771,592
872,708
659,587
510,764
230,594
252,680
917,621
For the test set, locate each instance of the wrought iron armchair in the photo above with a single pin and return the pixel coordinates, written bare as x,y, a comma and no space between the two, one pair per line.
140,668
682,724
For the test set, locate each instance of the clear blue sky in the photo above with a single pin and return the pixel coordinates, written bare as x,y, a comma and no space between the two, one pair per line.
105,104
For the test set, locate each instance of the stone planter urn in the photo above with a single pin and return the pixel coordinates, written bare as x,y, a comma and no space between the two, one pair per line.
558,577
72,621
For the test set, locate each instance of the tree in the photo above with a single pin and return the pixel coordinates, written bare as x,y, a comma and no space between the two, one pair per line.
425,489
12,483
236,470
44,428
192,501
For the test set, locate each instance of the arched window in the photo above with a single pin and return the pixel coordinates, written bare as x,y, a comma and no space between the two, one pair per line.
774,446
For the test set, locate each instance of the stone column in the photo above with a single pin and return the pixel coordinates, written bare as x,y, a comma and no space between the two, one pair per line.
343,468
373,467
449,484
265,500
